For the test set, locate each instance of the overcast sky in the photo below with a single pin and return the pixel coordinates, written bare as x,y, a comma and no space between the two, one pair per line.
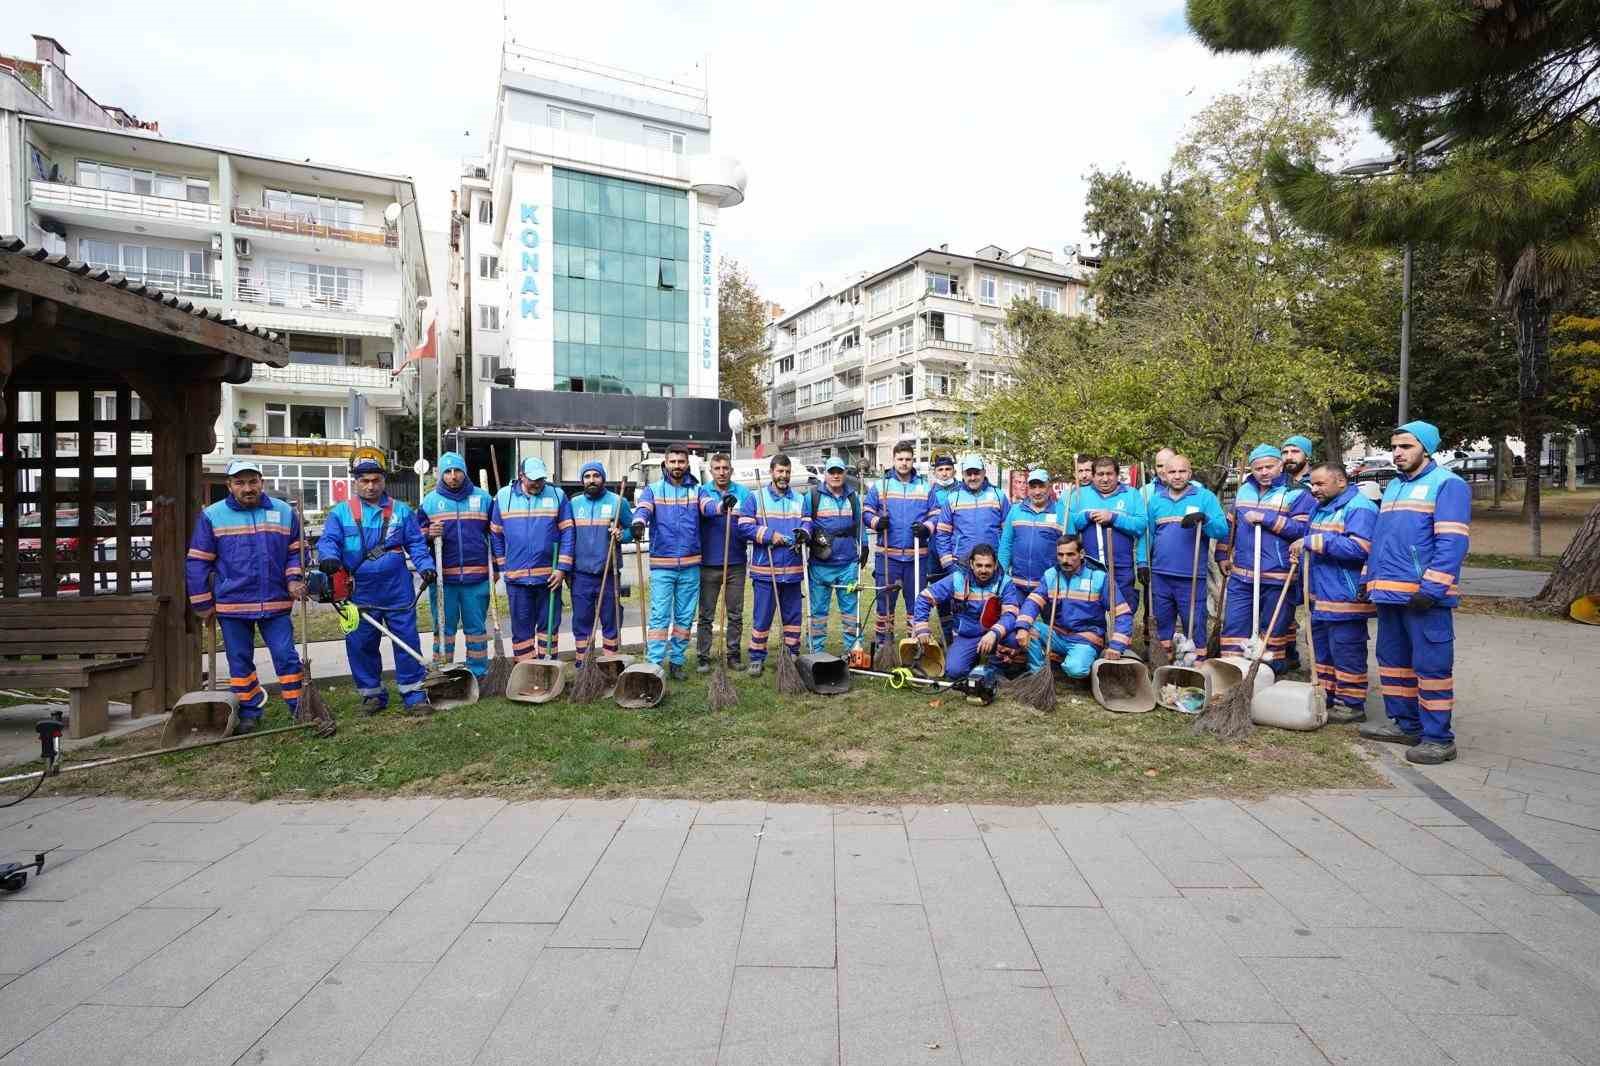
870,130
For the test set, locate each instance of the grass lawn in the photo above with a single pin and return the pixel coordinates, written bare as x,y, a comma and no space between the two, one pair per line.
1501,561
872,745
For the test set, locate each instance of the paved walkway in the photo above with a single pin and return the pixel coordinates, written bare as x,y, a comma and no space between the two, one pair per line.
1451,919
1490,581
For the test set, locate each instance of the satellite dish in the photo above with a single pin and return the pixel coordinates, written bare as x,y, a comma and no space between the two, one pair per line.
391,214
420,467
735,420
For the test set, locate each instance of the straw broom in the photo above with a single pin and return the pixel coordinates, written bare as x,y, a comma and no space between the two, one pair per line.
309,708
1227,715
1156,650
789,682
590,684
720,693
1038,689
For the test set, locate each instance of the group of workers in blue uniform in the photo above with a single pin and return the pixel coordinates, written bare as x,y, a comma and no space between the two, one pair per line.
1041,583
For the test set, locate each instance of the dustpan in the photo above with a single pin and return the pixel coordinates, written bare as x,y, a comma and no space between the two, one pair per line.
1289,705
824,674
1122,685
612,666
454,686
209,714
1227,671
640,686
1179,677
536,681
930,664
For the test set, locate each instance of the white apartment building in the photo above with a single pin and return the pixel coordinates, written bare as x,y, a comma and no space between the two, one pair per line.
317,252
903,353
587,249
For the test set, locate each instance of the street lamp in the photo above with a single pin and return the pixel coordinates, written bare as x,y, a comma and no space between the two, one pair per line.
735,424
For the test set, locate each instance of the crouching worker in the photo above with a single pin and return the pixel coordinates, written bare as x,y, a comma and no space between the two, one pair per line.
985,606
1081,595
371,536
249,544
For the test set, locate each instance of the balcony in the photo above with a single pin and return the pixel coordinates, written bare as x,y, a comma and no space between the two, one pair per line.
953,346
78,203
299,447
848,400
304,293
300,225
341,377
173,283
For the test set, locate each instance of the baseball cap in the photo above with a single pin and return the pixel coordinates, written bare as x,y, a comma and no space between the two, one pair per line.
835,463
243,466
533,469
971,461
1038,473
366,466
943,460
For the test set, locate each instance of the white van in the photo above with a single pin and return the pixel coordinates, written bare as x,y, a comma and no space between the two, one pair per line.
753,473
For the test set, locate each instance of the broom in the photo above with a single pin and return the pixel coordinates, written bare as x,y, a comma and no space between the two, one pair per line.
1183,643
1038,689
884,656
1214,642
590,684
720,693
1227,715
494,681
1156,650
309,708
789,682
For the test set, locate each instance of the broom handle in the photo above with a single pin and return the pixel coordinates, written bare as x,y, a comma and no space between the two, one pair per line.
1311,640
1272,624
1194,579
722,598
552,597
1109,557
644,600
211,649
1050,634
305,601
1222,600
1255,589
772,575
494,607
611,542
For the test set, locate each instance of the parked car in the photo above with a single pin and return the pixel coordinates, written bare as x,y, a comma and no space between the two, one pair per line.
1371,475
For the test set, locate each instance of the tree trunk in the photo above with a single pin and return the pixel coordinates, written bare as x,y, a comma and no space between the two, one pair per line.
1498,470
1332,439
1578,572
1572,461
1533,362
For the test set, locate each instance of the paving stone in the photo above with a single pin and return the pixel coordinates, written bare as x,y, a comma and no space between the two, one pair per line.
873,865
1337,1009
183,969
1586,815
543,886
454,821
715,866
1557,926
1411,846
1470,840
1252,922
28,809
460,1001
796,822
1111,1003
1197,973
1414,971
950,820
1008,1016
610,810
969,914
341,1015
245,1002
614,907
892,1006
83,824
391,876
1492,1041
992,817
1551,782
7,978
39,997
206,811
561,1013
90,1035
868,817
393,816
657,814
1254,1044
1036,871
423,927
789,921
1234,833
192,842
517,825
1184,856
332,814
1111,863
1421,810
286,851
732,812
781,1016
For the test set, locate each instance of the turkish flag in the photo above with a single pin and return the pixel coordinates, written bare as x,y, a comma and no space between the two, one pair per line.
428,349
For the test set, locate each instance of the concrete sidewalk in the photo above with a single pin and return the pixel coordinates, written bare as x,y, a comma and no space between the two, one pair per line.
1512,584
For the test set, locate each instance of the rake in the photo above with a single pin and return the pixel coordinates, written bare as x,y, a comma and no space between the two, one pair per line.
310,707
1227,715
884,655
720,693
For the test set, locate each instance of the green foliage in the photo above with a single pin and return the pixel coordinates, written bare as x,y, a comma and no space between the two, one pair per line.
1144,232
741,320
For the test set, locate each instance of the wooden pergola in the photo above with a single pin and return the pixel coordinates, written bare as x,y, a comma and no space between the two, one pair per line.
72,338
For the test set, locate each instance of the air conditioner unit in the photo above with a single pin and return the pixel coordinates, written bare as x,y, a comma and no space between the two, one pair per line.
241,247
216,243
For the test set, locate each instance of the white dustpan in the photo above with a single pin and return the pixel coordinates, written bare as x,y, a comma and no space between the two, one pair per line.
1289,705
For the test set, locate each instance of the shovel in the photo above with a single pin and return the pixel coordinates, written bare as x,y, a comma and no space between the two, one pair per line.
209,714
821,672
1119,685
541,680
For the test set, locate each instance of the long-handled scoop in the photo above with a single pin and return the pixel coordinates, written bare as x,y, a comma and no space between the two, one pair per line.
1120,685
541,680
209,714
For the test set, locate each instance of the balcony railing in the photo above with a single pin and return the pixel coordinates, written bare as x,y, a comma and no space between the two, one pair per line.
310,297
306,226
175,283
954,346
47,194
355,377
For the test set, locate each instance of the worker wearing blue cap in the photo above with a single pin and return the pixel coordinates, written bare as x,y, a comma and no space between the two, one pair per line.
530,532
1029,533
601,519
457,512
941,485
1411,575
838,550
244,564
1271,514
371,535
1297,460
973,513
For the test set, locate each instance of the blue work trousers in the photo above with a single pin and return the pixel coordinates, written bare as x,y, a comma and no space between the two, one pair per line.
1075,654
1342,661
1169,602
762,610
961,655
826,582
585,592
1236,622
238,640
674,599
896,572
465,609
1416,667
535,620
362,648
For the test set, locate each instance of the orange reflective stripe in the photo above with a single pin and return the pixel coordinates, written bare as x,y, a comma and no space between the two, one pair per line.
1381,585
1436,684
1439,576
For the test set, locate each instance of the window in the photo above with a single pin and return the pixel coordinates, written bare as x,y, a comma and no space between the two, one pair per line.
903,338
1049,299
101,254
938,384
987,334
986,382
942,284
988,289
665,140
880,392
907,384
489,316
1015,290
667,276
310,285
880,299
324,210
489,266
786,365
277,420
903,287
105,407
822,392
197,190
850,423
802,396
486,211
564,118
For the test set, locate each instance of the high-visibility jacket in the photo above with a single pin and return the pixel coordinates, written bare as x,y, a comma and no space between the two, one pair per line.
591,530
1339,542
836,516
526,531
1174,545
765,512
1421,538
252,553
714,526
1028,542
354,528
968,519
968,599
938,496
1127,523
1286,517
461,520
673,512
893,509
1081,601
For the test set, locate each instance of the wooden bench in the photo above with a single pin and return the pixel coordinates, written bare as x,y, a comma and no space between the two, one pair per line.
95,647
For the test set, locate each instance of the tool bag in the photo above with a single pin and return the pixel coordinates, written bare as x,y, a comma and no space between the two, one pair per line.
822,543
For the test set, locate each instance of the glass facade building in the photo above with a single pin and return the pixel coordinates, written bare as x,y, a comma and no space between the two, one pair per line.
621,286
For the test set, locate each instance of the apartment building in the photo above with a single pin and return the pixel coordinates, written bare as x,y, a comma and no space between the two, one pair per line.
903,353
330,256
588,255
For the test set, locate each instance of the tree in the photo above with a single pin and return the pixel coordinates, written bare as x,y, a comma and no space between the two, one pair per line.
1511,85
741,325
1143,232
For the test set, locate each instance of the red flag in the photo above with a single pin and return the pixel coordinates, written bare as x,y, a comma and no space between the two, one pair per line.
428,349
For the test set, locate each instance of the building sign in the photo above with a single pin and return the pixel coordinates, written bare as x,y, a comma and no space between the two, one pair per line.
528,241
708,301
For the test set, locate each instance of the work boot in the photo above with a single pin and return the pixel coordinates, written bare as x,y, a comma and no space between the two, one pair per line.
703,666
675,672
1339,714
754,669
246,725
1431,753
1389,732
421,709
733,659
372,705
